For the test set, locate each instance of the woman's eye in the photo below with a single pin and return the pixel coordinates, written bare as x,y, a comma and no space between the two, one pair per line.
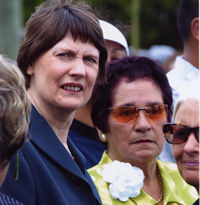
62,54
66,54
114,58
90,59
127,112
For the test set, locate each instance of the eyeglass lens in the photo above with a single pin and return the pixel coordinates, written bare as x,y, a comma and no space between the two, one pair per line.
177,134
126,114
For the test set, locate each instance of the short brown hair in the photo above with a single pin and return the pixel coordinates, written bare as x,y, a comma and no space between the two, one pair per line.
14,110
49,25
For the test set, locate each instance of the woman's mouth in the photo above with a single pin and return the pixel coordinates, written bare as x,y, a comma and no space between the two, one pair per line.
191,163
143,141
74,87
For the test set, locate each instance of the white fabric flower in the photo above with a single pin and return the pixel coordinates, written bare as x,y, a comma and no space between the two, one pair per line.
125,180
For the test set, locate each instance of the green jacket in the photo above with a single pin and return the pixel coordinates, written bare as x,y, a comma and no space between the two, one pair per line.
176,190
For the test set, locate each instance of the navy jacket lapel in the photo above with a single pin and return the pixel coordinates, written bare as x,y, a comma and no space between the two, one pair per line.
42,135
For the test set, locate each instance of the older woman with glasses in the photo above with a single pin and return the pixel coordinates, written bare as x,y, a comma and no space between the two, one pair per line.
130,110
183,134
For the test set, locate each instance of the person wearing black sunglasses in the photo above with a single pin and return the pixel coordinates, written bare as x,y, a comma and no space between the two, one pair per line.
183,134
130,110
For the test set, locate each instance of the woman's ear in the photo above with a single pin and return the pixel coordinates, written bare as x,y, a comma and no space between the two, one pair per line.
195,28
30,70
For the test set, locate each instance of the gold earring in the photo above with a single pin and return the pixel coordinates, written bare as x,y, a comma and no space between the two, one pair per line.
103,138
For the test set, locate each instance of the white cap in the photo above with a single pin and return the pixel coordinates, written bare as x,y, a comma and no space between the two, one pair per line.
112,33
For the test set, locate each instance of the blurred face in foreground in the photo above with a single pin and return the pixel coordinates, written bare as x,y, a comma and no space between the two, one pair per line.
141,139
187,153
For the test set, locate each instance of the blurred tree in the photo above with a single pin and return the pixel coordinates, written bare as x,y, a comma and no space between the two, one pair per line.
135,34
11,27
145,23
117,12
158,23
29,7
154,23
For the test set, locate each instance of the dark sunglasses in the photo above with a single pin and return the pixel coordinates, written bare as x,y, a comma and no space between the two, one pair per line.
178,134
125,114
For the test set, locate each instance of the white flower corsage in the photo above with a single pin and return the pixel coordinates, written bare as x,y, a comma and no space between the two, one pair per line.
125,180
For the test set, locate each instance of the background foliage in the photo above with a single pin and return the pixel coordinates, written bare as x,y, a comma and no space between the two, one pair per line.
144,22
157,19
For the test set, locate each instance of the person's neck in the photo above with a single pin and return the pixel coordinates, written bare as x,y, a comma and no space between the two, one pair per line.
191,52
153,184
58,118
83,115
60,122
147,167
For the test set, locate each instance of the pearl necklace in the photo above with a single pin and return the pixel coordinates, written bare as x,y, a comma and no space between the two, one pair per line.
161,185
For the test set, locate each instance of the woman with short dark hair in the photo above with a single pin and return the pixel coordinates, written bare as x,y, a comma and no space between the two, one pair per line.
62,56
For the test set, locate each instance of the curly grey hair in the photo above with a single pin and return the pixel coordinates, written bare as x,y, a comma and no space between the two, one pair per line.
14,110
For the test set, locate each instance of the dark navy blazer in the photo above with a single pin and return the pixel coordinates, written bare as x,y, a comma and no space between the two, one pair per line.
47,173
87,140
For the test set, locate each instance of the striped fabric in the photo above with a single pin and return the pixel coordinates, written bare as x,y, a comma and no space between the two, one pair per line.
6,200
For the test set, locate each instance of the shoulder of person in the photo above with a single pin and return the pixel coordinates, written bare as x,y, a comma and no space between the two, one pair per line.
5,200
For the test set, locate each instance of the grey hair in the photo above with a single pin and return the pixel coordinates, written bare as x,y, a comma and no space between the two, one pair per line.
191,92
14,110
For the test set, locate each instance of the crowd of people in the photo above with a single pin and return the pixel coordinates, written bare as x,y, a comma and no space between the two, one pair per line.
83,121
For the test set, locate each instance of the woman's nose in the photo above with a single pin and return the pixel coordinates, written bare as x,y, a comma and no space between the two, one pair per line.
142,123
78,67
191,145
